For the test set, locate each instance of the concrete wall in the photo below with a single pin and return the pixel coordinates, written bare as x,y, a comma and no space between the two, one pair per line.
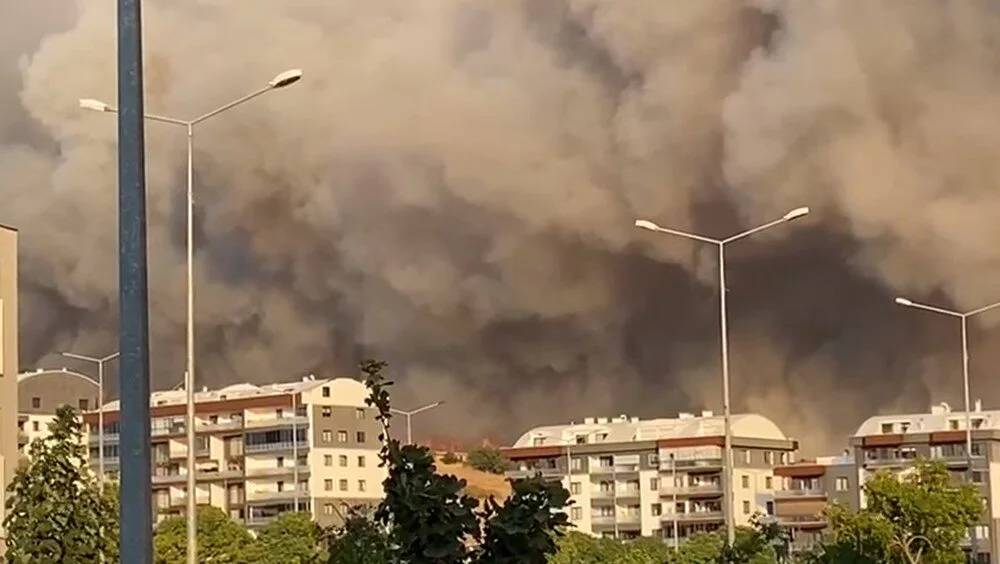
8,352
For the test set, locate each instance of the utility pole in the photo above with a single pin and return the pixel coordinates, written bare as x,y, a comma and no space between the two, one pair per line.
136,508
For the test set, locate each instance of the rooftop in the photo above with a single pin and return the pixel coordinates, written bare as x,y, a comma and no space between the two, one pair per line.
627,429
940,418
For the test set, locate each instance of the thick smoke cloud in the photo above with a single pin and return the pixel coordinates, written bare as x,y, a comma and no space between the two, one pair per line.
453,185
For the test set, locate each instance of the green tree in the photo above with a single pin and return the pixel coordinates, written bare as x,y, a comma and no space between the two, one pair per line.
292,538
220,539
359,541
523,530
450,458
56,511
919,518
486,459
579,548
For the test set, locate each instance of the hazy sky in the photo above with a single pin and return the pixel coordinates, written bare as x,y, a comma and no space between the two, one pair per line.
452,188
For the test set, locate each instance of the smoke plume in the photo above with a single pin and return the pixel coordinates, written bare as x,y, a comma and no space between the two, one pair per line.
452,188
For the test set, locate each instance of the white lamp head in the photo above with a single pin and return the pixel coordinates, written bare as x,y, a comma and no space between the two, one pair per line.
92,104
796,213
903,302
286,78
646,224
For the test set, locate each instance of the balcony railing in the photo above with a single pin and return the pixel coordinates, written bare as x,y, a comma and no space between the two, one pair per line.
802,521
299,421
270,447
615,469
278,471
285,495
692,464
210,427
695,516
532,472
799,493
701,489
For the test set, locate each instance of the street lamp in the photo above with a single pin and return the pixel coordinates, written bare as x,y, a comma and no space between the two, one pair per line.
721,244
964,318
280,80
100,403
410,414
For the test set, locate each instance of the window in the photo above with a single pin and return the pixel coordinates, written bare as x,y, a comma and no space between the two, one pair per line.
362,485
326,391
328,485
281,461
746,481
746,456
656,510
341,436
342,460
769,483
343,485
538,441
360,436
328,460
327,436
576,463
653,459
327,411
977,449
34,425
361,462
84,404
576,513
841,484
581,439
36,403
904,426
770,508
886,428
279,413
602,437
281,486
977,423
654,484
213,419
977,477
746,507
769,457
359,413
606,462
327,509
953,424
575,488
982,531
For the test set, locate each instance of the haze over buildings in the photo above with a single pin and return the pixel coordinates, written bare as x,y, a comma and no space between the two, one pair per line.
453,188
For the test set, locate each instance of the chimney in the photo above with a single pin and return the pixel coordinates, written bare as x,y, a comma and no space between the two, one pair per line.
979,405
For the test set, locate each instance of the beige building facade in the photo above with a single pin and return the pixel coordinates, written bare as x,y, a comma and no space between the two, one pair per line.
8,360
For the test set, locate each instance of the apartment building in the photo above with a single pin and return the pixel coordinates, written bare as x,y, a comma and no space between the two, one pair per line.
806,488
8,363
895,442
41,392
262,450
630,477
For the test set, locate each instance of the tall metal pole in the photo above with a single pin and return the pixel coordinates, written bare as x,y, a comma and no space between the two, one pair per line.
727,466
673,471
968,423
295,454
100,423
192,501
409,429
136,489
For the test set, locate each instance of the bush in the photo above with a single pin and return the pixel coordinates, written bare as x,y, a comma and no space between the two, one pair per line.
486,459
450,458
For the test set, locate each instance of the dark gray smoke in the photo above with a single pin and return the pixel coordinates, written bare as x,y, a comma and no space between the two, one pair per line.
453,186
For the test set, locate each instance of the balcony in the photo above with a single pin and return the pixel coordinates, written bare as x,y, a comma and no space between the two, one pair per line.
286,495
547,473
274,447
180,454
799,494
598,520
216,427
159,480
701,490
615,469
298,421
276,471
802,521
692,465
109,439
695,516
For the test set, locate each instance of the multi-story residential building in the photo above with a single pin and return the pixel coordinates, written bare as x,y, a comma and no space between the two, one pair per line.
895,442
630,477
262,450
41,392
806,488
8,363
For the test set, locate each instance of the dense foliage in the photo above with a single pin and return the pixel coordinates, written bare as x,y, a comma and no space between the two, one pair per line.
292,538
56,511
220,539
922,517
486,459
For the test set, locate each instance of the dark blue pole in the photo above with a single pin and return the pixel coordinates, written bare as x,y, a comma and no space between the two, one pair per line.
136,508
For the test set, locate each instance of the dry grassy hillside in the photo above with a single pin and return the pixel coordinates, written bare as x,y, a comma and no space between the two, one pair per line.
481,485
